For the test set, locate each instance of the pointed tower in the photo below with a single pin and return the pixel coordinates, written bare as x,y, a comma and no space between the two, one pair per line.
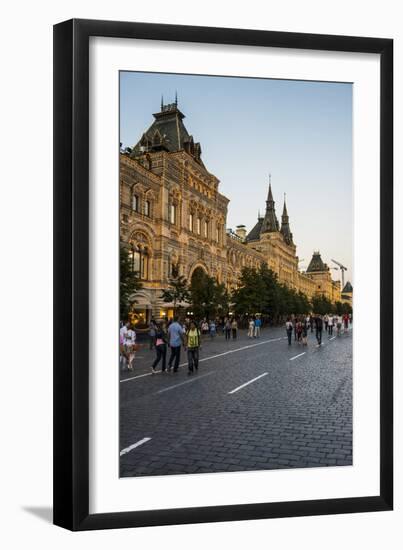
270,222
285,225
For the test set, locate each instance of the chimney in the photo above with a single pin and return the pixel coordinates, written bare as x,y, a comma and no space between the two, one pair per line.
241,232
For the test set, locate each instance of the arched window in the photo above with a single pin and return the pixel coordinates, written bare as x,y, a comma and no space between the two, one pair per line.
191,222
136,203
173,213
139,261
206,228
198,227
147,208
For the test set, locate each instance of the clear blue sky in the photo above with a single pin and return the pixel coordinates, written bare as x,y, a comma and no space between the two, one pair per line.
300,132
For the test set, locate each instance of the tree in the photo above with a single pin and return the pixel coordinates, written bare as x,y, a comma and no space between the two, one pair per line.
260,291
177,291
208,296
322,305
129,284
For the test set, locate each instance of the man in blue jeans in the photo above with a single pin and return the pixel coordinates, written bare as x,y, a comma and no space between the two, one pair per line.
175,334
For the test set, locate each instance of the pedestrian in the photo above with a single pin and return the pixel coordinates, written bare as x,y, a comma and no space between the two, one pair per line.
204,327
311,322
305,333
213,329
227,329
160,344
129,346
175,334
299,331
339,324
151,333
258,324
345,320
193,345
234,328
330,324
326,321
295,328
251,329
319,328
122,352
289,329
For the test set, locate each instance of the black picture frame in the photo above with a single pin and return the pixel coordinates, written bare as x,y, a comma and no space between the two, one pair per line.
71,274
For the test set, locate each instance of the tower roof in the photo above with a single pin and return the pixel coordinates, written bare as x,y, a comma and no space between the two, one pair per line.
285,225
348,287
316,263
270,222
168,133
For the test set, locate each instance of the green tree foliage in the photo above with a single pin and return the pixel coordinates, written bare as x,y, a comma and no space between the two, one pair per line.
208,297
129,284
259,291
321,305
177,291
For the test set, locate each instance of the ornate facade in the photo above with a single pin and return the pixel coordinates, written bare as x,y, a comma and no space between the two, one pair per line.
172,214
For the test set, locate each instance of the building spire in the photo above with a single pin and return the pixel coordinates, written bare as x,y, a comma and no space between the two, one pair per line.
285,225
162,102
270,222
176,98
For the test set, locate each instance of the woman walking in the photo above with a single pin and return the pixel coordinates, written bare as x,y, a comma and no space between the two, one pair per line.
234,328
289,329
193,345
227,329
251,328
160,344
129,347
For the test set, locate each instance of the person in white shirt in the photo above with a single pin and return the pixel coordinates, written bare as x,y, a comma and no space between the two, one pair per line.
251,328
128,340
330,325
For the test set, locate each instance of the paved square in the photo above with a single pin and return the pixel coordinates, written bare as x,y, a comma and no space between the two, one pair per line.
253,405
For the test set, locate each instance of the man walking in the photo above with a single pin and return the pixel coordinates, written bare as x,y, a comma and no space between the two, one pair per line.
319,328
258,324
193,344
175,334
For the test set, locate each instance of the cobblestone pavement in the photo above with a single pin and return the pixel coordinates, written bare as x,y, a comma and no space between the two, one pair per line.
296,412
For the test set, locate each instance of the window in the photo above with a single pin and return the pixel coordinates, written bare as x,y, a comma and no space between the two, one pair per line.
206,229
144,264
147,208
134,256
191,222
172,213
136,203
198,226
139,261
217,233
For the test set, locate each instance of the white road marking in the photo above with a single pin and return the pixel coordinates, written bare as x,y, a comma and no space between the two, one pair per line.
332,338
196,377
247,383
138,376
128,449
296,357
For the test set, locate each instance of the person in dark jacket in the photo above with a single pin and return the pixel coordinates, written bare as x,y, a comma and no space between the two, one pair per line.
319,329
160,344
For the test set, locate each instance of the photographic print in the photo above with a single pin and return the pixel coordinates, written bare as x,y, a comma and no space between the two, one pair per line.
236,274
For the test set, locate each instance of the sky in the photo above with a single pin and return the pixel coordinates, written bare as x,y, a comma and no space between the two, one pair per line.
299,132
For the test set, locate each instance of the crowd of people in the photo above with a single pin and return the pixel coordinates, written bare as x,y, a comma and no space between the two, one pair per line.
301,326
189,334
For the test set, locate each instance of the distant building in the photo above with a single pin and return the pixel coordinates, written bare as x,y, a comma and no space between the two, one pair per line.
172,215
347,294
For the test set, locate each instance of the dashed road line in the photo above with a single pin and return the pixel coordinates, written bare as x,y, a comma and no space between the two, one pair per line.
196,377
296,356
137,444
247,383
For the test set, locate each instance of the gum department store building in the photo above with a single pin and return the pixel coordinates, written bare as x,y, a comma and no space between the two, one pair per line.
172,214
